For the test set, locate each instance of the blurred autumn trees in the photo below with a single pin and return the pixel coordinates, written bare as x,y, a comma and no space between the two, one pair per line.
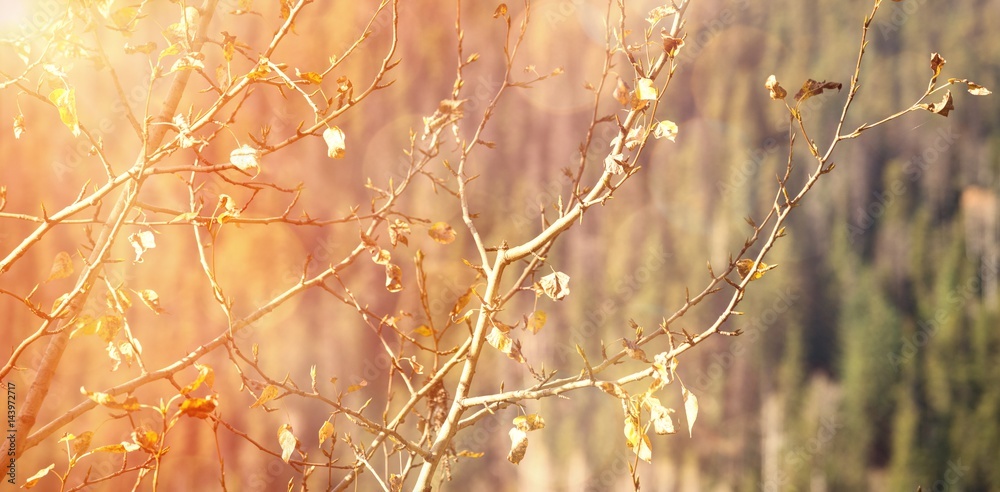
274,244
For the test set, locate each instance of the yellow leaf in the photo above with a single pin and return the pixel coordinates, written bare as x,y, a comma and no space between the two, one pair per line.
151,299
381,257
469,454
310,77
62,266
65,101
130,404
637,440
125,18
33,480
173,49
325,431
424,330
205,375
108,326
499,340
442,233
537,321
645,90
199,407
145,438
744,265
124,447
269,393
84,325
145,49
529,422
460,304
287,441
336,142
354,387
80,444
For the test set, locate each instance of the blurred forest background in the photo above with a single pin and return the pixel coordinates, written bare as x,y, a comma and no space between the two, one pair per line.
869,360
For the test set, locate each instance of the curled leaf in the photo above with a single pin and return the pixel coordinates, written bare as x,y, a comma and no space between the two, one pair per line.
665,129
336,143
942,108
671,45
637,440
777,92
937,63
518,445
141,241
393,278
743,267
813,88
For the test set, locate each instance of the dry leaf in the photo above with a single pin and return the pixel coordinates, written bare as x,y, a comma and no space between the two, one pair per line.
937,63
942,108
287,441
62,266
690,408
393,278
269,393
336,143
442,232
65,101
246,158
141,241
555,285
813,88
665,129
772,85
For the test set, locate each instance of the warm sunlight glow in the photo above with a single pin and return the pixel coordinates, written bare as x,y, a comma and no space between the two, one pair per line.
13,13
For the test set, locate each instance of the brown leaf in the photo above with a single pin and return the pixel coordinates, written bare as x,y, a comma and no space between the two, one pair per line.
199,408
393,278
777,92
671,45
937,63
813,88
633,350
942,108
501,11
